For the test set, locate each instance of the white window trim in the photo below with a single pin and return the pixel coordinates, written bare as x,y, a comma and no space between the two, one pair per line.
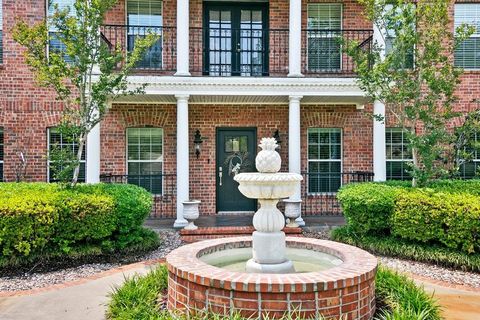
340,69
48,155
326,160
147,161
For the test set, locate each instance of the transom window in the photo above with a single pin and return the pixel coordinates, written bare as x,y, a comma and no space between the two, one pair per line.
60,141
55,45
324,25
145,158
398,154
1,153
467,55
471,169
144,16
324,160
1,32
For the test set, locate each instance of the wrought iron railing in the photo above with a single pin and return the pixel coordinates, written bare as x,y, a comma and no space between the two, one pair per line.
319,190
162,187
323,51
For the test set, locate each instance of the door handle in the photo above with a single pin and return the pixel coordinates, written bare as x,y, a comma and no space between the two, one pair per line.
238,47
220,175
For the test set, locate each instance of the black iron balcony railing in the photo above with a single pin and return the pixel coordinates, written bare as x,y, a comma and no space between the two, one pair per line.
319,190
242,52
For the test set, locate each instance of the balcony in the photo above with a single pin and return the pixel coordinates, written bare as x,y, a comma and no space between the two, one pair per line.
226,52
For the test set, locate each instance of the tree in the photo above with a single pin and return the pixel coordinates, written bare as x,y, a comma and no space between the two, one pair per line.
85,74
418,93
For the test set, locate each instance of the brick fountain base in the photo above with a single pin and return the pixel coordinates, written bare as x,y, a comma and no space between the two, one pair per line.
346,291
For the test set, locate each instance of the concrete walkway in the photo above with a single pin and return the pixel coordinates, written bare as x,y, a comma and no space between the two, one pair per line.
87,298
77,300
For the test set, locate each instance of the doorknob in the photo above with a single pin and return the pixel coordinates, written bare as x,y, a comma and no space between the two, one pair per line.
220,175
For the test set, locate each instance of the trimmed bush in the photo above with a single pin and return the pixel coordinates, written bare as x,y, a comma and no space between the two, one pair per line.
40,218
452,219
368,207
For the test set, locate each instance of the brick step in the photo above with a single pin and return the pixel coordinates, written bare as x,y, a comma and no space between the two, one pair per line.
226,232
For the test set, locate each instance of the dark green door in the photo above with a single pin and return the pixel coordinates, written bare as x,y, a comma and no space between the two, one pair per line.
236,151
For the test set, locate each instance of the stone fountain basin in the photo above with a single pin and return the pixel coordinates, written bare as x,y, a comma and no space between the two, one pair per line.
257,185
344,290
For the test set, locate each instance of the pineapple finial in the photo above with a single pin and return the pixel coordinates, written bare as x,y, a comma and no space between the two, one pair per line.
268,144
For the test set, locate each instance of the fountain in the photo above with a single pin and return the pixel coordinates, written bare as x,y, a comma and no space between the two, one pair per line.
269,273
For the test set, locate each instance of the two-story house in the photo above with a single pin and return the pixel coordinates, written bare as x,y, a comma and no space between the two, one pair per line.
222,75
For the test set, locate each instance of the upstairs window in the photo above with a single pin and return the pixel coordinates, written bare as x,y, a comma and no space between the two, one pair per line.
324,160
58,140
471,169
398,154
408,61
2,143
55,45
1,31
324,23
145,158
467,55
144,16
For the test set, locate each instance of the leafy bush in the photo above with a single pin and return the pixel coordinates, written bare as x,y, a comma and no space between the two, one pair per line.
40,218
368,207
452,219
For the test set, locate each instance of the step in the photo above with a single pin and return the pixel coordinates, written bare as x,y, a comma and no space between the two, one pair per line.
226,232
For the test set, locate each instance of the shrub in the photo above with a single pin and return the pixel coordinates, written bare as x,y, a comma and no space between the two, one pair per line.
452,219
368,207
40,218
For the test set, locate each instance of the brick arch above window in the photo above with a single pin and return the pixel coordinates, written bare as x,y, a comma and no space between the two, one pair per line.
144,116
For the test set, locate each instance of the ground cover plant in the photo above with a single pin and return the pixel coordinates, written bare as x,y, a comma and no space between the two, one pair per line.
41,222
138,298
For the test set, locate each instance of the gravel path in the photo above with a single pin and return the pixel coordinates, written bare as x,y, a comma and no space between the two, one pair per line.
171,240
470,279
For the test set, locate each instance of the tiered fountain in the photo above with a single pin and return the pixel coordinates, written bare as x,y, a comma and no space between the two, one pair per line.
269,273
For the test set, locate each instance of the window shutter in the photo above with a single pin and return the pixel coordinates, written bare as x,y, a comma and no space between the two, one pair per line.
467,55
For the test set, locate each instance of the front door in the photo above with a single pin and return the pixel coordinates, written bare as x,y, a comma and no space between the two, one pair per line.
236,151
236,39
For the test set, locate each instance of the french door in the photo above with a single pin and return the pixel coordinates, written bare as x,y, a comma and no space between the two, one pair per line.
236,39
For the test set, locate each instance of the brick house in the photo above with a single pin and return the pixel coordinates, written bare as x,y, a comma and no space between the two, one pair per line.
225,73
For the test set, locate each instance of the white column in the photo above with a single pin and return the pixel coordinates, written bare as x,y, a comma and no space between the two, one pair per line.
295,39
183,49
183,188
379,151
93,155
294,146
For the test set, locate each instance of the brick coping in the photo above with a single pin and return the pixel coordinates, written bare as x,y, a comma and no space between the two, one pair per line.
82,280
358,266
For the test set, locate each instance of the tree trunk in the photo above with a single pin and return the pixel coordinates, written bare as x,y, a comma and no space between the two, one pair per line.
76,171
415,165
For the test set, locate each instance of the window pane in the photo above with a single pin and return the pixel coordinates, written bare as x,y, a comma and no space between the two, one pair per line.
467,55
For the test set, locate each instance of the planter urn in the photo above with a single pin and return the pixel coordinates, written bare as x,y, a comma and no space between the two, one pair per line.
191,213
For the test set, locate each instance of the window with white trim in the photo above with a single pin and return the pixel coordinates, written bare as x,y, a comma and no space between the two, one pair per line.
471,168
1,31
324,24
467,54
60,141
324,160
398,155
390,37
2,143
55,45
145,158
144,16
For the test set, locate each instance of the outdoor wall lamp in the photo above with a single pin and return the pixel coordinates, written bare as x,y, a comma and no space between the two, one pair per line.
276,135
198,143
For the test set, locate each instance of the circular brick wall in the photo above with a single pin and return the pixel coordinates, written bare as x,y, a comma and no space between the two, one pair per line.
346,291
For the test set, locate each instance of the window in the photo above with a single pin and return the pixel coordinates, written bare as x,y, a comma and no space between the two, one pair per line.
324,31
1,32
324,160
145,158
1,153
467,54
390,41
55,45
471,168
58,140
144,16
398,154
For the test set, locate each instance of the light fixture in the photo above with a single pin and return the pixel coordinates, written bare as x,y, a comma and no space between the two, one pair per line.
276,135
197,143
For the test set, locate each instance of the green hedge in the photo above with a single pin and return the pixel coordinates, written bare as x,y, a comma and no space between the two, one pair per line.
446,212
37,218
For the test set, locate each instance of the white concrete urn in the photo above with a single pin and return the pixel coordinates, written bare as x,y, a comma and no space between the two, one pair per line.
191,213
268,186
292,212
